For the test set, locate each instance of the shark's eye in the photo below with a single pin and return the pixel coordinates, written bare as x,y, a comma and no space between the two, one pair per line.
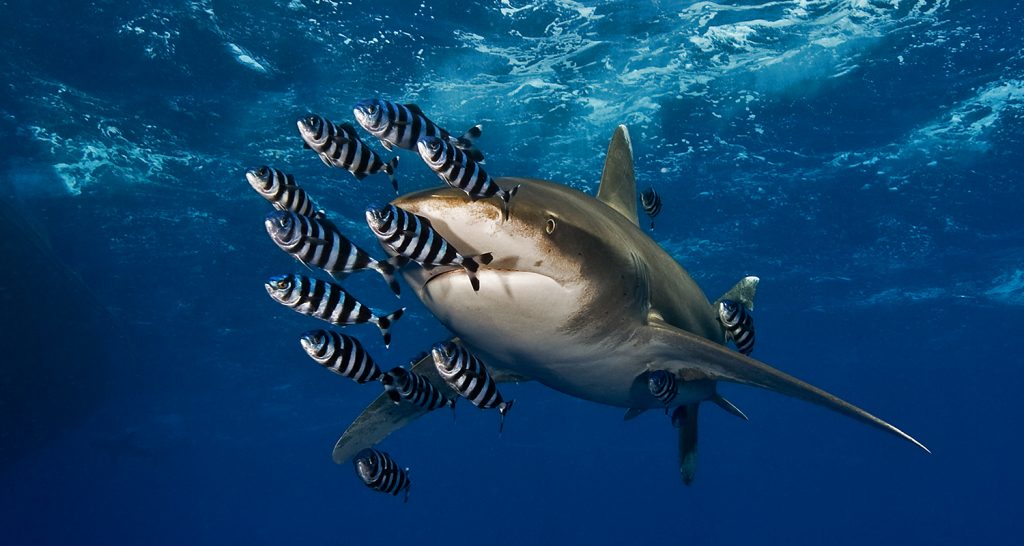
549,226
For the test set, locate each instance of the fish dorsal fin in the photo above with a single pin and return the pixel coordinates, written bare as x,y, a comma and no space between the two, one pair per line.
742,292
618,182
415,109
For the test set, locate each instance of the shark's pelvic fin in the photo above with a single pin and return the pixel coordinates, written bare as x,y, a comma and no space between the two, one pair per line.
728,406
633,413
742,292
684,418
693,357
618,182
382,416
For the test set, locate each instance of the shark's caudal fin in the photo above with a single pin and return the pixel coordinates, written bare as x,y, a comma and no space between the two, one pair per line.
693,357
382,416
618,182
742,292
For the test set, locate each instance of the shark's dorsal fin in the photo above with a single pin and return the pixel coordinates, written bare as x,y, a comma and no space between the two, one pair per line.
742,292
618,182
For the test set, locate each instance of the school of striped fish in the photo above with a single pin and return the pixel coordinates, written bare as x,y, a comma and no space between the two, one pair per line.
302,229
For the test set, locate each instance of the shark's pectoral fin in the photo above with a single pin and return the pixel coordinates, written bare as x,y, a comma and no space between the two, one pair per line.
618,181
382,416
684,418
691,355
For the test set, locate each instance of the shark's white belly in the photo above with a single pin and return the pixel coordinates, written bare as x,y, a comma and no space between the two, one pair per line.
532,325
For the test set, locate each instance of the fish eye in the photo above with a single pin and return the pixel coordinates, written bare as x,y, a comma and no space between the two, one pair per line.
371,109
549,226
263,171
311,120
434,145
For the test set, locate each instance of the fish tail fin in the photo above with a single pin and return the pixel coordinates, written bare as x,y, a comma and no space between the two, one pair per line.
387,270
467,143
502,410
451,404
385,323
472,264
407,484
389,169
506,196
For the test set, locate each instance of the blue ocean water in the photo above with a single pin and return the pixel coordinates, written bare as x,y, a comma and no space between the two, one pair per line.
862,157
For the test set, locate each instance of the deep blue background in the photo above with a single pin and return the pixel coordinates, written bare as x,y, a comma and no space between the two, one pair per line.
863,158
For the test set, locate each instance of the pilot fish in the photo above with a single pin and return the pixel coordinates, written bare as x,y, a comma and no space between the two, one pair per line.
327,301
738,323
317,241
412,236
403,124
466,375
651,203
380,473
343,355
662,385
282,191
458,170
340,146
402,384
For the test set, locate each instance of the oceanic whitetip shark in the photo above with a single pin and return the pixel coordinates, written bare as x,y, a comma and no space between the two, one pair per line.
580,299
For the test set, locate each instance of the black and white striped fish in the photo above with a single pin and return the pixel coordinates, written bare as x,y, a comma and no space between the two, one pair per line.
738,323
380,472
343,355
651,203
458,170
662,385
340,146
318,242
282,191
412,236
327,301
467,375
403,124
402,384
